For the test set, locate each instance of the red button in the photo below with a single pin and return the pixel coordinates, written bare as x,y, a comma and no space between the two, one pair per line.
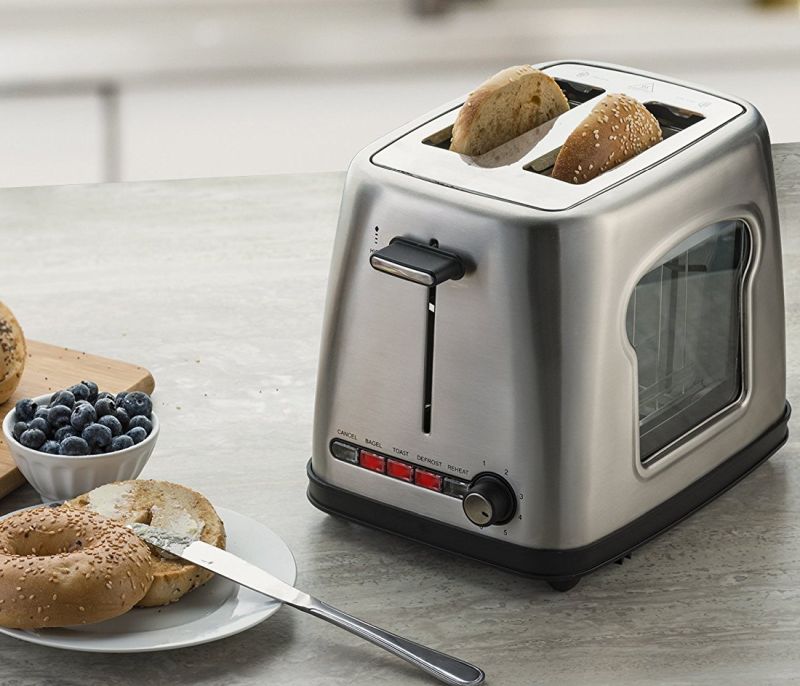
372,461
399,470
428,479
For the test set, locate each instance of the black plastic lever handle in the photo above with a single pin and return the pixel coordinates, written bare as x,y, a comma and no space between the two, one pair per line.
417,262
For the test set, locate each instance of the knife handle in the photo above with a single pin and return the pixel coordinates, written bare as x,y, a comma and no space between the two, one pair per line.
448,669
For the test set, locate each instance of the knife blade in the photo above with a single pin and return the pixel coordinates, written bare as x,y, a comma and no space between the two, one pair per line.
223,563
448,669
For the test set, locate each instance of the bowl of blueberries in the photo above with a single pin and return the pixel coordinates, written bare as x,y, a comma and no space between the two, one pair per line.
76,439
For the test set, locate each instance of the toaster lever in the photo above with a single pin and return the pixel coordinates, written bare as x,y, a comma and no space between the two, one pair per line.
417,262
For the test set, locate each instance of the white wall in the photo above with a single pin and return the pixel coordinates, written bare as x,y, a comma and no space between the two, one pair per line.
50,139
225,87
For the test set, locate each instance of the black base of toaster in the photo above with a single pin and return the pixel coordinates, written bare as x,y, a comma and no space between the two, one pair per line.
561,568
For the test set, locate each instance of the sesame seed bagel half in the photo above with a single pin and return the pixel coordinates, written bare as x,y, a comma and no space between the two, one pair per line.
505,106
618,127
12,353
62,567
168,506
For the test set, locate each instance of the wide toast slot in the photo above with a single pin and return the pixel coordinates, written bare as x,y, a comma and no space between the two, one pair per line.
671,119
575,93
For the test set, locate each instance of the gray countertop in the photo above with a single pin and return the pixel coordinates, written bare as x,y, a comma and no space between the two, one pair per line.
217,286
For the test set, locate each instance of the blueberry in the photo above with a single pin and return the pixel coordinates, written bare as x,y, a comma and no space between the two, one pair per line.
62,398
97,436
121,442
63,432
92,386
58,416
137,433
39,423
144,422
26,409
80,391
41,412
120,397
137,403
74,446
19,429
104,406
82,416
51,447
114,425
33,438
103,394
122,416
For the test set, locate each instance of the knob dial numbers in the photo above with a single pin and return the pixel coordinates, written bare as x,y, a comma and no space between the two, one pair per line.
489,500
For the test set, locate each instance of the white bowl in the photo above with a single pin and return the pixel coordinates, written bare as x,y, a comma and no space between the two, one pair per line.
60,477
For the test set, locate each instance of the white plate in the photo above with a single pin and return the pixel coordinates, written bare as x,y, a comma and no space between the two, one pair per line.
217,610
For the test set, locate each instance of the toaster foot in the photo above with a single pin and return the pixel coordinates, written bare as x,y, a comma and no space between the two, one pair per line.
564,584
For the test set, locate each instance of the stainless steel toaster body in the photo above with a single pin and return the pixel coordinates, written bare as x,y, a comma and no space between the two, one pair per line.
612,357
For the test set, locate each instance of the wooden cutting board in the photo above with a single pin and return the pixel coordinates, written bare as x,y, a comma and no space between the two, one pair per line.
50,368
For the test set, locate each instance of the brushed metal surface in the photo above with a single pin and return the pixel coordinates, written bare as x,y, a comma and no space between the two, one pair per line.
534,378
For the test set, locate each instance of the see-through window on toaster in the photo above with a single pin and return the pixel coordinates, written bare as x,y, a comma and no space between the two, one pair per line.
685,322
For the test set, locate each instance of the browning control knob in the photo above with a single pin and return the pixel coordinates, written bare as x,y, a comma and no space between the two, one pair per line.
489,500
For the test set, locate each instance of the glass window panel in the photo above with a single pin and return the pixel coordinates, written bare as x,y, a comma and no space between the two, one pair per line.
684,320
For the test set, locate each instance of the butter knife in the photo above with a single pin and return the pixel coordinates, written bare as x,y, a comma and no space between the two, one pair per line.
447,669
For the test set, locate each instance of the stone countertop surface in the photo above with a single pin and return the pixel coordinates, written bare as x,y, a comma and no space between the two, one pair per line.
217,286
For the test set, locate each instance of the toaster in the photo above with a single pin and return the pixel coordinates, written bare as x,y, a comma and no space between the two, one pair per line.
544,375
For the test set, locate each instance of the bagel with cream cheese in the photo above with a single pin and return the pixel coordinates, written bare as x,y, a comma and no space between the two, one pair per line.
168,506
61,566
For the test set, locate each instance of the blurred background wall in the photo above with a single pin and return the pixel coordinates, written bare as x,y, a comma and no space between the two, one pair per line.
107,90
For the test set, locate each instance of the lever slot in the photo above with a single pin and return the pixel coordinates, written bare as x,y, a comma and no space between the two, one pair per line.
428,265
427,399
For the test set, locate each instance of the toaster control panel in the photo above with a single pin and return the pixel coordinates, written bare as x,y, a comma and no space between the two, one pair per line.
399,469
486,500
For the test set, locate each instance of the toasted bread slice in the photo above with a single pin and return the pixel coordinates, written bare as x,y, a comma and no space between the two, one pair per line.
618,127
510,103
168,506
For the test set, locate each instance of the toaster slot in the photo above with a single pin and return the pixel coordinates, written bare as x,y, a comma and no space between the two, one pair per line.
544,165
671,119
440,139
576,94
